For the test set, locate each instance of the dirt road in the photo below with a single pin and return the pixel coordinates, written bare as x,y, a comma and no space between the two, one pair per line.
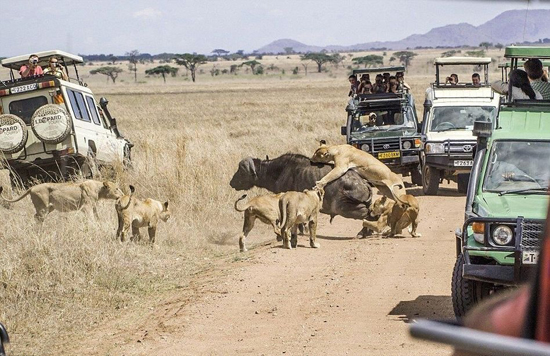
350,296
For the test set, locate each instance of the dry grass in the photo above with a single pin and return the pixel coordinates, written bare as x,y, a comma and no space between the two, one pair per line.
60,279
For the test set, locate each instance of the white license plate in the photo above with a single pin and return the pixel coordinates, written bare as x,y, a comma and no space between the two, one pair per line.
23,88
529,257
467,163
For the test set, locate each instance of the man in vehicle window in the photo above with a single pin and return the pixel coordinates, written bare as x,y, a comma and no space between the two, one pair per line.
476,80
533,67
32,68
354,85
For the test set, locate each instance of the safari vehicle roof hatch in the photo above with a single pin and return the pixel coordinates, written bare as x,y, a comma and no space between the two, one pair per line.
472,61
68,59
507,65
380,100
379,70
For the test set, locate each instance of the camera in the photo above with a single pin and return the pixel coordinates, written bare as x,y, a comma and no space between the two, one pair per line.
34,61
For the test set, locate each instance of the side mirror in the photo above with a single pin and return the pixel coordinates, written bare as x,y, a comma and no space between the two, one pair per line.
458,233
343,130
103,102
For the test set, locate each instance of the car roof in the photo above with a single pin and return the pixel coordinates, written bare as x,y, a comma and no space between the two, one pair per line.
520,63
522,123
44,57
379,70
527,52
462,60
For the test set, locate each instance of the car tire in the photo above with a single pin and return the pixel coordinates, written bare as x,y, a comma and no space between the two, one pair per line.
13,133
430,180
416,176
462,182
51,123
465,293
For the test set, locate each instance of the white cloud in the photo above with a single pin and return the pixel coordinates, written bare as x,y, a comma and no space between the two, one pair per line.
147,14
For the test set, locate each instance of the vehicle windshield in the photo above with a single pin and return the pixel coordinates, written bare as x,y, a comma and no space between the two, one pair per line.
383,119
518,165
447,118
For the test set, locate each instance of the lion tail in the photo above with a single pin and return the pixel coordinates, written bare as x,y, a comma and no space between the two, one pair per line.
237,202
282,213
132,190
16,199
396,198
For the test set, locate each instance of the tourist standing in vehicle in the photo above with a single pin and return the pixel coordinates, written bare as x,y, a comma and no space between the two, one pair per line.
533,67
401,80
476,80
521,88
32,68
452,79
55,70
354,85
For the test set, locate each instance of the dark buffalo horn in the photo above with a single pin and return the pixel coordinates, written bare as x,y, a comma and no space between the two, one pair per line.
250,165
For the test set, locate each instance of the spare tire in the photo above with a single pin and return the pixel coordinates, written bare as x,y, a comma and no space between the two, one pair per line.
51,123
13,133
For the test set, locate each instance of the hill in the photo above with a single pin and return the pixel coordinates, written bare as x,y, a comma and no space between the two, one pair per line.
505,28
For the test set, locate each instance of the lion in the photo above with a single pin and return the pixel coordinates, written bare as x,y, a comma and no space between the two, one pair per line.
262,207
136,213
298,208
69,196
347,157
394,215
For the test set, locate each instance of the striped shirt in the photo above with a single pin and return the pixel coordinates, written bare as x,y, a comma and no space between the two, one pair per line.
541,87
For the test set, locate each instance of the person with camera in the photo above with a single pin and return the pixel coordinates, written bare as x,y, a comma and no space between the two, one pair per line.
32,68
452,79
55,70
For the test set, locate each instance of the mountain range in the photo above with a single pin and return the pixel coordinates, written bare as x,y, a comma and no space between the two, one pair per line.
506,28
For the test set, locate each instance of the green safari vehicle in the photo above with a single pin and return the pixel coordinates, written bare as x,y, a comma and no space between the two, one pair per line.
507,197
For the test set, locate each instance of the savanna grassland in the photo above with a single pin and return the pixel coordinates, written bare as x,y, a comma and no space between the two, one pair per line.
66,277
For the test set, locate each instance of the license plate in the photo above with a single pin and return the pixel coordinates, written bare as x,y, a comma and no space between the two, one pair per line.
23,88
467,163
386,155
529,257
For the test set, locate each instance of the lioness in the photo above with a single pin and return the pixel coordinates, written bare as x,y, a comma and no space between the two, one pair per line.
348,157
395,215
263,207
69,196
136,213
297,208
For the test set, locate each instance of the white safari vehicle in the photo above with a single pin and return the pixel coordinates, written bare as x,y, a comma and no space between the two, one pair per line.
52,128
450,111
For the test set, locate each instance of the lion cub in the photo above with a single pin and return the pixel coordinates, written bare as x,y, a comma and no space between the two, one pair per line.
394,215
299,208
136,213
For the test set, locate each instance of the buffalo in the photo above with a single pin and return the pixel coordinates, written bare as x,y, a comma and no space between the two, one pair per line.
349,196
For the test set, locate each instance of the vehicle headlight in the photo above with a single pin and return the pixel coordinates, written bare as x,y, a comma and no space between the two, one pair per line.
406,145
417,142
502,235
479,232
435,148
365,147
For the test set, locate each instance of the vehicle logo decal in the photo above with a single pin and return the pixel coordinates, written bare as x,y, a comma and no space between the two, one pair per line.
386,146
467,148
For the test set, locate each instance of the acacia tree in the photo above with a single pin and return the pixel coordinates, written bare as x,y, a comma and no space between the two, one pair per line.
405,57
369,60
499,46
111,72
163,71
190,61
319,58
253,65
220,52
485,45
133,62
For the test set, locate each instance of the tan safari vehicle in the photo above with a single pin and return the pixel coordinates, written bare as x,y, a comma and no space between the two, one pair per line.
52,128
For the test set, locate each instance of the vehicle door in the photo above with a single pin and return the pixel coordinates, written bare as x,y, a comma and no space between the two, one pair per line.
109,146
87,131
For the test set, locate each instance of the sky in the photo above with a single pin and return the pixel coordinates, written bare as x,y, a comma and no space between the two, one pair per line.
117,27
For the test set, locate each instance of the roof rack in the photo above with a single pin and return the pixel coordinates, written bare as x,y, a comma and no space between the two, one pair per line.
462,60
379,70
527,52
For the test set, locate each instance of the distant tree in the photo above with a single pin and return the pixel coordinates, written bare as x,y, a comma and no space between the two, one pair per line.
240,52
163,71
272,67
499,46
305,67
319,58
480,53
233,69
338,59
392,59
113,59
485,45
133,59
295,70
369,60
111,72
254,66
288,50
405,57
220,52
190,61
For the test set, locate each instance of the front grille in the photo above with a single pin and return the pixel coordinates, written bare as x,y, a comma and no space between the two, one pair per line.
531,234
462,147
386,145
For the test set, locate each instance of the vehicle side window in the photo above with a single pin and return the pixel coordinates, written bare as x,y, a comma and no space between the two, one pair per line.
93,111
25,108
79,107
